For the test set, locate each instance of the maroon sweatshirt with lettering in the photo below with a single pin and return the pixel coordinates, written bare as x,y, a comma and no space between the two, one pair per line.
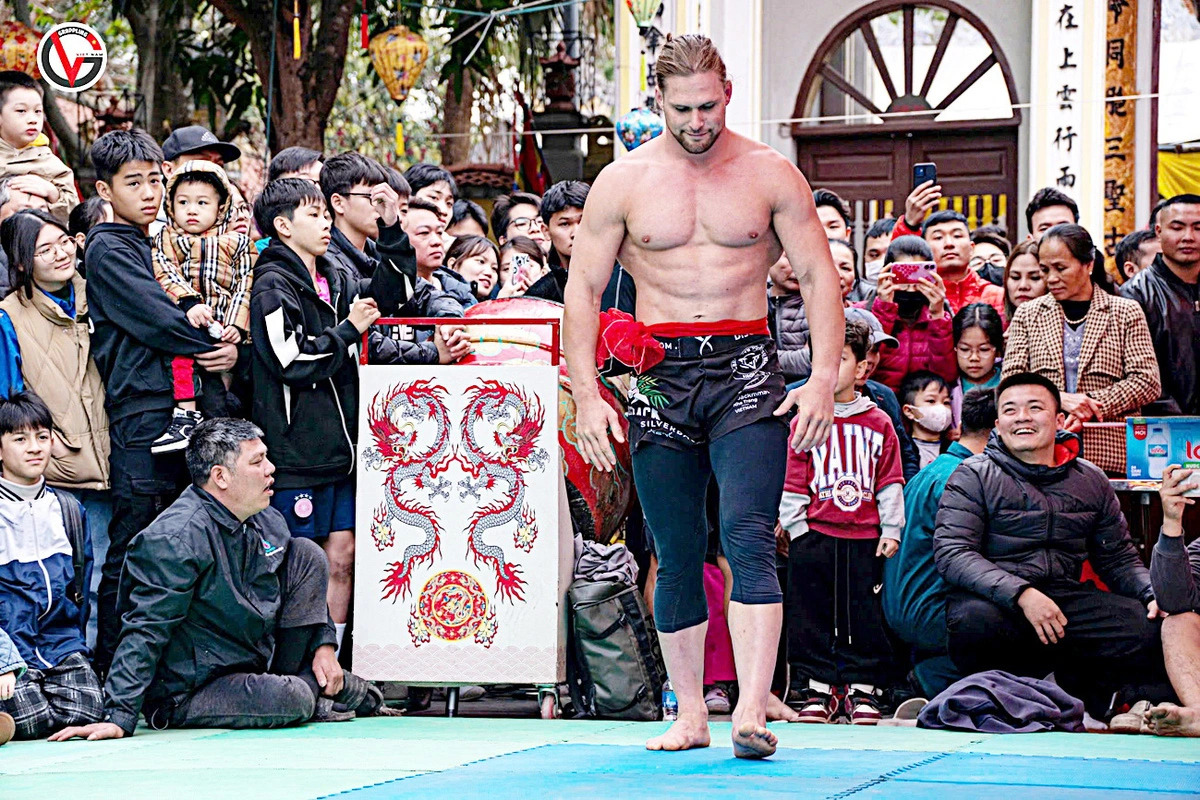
850,486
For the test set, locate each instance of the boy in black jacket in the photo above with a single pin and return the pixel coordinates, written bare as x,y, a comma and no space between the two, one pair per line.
307,317
137,330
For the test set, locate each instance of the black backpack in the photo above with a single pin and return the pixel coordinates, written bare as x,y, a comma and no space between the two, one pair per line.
615,669
72,514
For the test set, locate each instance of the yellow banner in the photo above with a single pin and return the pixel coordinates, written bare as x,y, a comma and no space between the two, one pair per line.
1178,173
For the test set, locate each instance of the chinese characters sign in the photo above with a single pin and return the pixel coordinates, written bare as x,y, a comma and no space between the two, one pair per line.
1066,112
1065,52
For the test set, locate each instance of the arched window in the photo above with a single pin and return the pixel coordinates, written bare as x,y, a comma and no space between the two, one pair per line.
896,84
923,62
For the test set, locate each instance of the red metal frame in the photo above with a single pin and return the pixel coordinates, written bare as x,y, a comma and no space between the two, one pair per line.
555,326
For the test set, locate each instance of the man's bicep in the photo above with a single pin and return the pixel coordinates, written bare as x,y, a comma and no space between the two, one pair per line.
794,218
601,232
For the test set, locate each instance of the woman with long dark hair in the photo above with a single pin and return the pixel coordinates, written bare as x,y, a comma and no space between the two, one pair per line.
1095,347
44,329
1023,278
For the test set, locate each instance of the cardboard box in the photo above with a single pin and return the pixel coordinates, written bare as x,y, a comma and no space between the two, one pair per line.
1151,443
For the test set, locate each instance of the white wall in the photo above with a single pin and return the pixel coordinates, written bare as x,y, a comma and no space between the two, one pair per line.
737,27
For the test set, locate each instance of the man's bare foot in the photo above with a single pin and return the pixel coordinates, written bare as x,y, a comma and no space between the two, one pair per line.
1168,719
684,734
779,711
753,741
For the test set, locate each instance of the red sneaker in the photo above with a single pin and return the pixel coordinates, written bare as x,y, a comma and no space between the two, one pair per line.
863,709
818,707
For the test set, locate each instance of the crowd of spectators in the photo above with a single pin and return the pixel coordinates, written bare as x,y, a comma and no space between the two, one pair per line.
984,345
180,367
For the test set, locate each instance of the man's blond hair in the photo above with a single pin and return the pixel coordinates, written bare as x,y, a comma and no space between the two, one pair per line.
689,54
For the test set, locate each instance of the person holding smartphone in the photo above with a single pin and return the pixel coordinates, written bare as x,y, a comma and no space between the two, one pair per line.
521,266
911,305
949,236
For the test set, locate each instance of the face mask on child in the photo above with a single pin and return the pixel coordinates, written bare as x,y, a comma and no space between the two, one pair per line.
934,419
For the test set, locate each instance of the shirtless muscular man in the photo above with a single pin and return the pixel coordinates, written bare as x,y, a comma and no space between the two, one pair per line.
698,218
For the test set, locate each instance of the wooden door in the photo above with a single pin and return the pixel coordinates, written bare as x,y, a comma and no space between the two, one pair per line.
977,169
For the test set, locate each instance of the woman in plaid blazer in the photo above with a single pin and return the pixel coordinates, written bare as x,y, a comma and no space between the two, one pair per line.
1096,347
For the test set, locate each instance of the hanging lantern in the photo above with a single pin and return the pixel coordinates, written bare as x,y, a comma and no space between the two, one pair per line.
638,127
399,55
18,48
643,11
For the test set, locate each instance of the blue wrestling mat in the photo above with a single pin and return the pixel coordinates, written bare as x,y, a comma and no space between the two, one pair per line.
555,771
530,759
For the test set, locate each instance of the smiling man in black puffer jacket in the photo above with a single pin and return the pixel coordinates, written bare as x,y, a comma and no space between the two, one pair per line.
1013,530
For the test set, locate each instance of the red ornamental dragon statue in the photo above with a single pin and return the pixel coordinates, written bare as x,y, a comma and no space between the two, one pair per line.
516,421
394,419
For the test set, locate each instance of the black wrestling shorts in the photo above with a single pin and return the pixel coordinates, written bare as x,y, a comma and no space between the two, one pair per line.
705,387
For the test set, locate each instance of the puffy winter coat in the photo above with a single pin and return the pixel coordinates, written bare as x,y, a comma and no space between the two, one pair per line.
1172,310
56,363
927,343
36,158
790,325
454,286
1004,525
38,607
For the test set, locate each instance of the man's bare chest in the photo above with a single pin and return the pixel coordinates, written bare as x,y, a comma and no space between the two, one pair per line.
666,213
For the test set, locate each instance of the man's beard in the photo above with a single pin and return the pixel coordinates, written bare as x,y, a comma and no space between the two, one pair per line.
694,146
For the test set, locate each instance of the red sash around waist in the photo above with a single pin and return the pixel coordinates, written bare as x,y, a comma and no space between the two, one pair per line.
633,344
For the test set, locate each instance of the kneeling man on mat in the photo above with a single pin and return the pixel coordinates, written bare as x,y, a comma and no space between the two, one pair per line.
224,622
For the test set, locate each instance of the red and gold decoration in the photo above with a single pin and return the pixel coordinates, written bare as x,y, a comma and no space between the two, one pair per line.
18,48
1120,80
399,56
452,606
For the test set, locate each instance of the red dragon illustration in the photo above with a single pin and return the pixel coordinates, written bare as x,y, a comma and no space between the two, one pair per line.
393,418
517,421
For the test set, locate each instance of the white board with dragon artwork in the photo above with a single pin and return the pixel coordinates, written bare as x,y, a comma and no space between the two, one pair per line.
462,563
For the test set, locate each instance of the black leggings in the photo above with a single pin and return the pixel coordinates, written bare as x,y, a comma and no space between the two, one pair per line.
749,465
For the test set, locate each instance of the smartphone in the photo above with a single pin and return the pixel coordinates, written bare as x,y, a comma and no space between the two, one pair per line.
520,267
913,271
924,173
